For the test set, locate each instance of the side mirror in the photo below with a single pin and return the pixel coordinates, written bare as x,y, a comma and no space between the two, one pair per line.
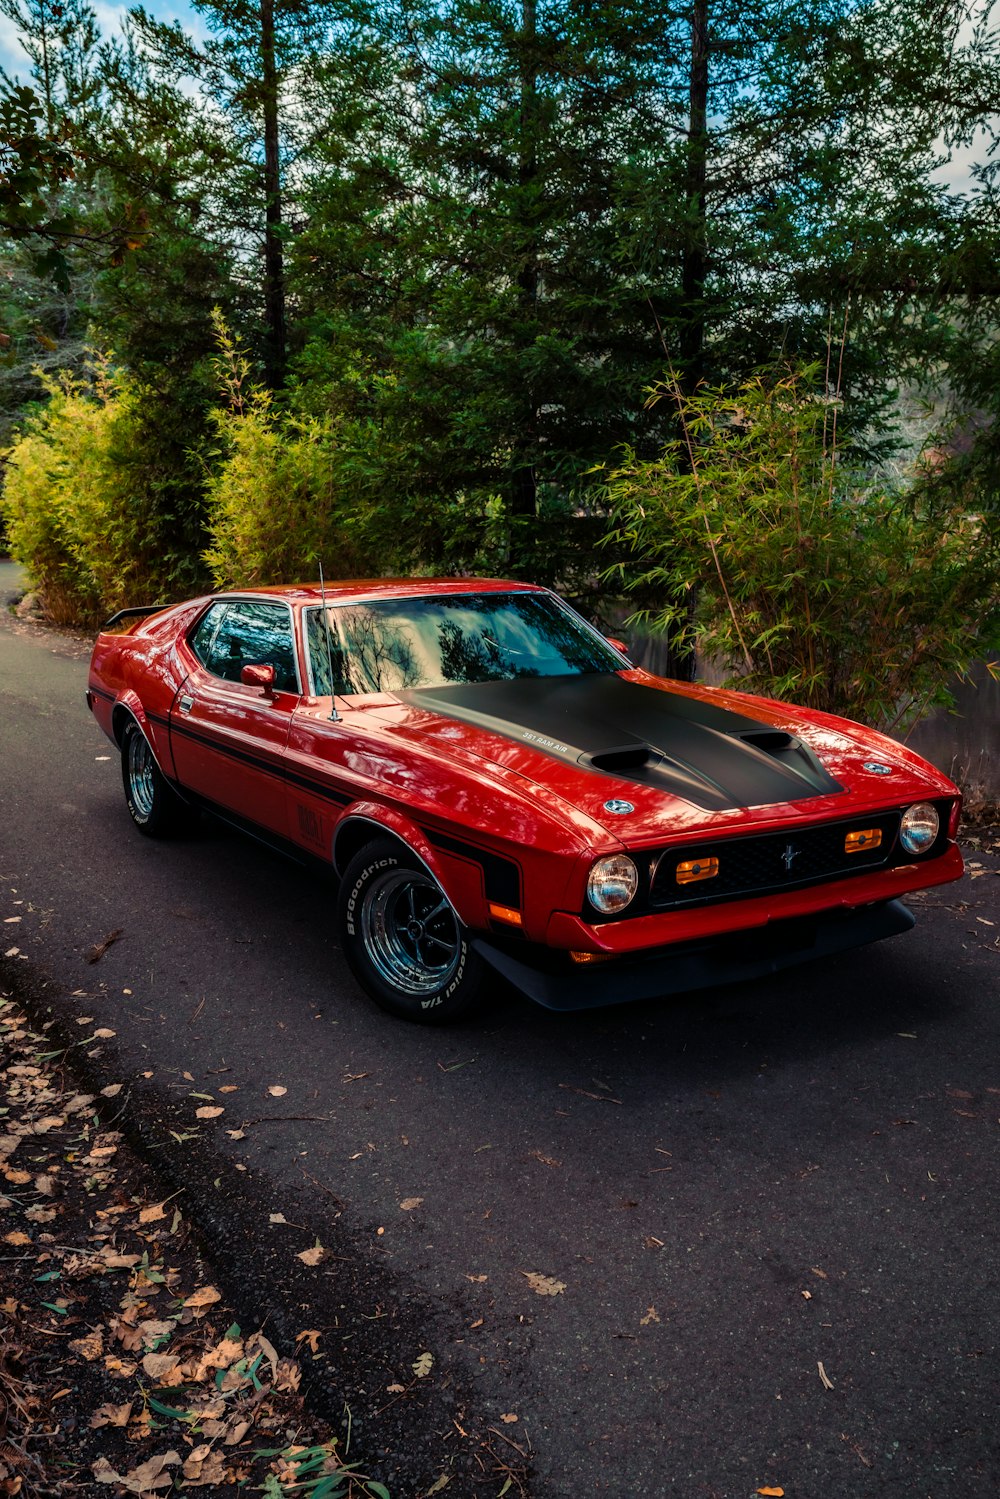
619,645
258,676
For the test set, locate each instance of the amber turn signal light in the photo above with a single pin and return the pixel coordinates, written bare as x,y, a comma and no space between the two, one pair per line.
505,913
696,869
865,838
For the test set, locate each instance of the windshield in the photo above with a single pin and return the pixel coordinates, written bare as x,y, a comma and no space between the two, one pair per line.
391,645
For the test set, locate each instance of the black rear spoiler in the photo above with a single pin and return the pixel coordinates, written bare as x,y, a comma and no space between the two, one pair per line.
134,613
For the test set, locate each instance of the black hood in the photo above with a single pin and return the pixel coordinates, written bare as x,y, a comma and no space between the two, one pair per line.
708,755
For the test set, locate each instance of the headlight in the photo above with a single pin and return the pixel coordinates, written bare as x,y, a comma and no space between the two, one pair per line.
919,828
612,884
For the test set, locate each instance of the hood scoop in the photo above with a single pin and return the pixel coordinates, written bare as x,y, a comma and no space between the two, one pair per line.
621,760
683,746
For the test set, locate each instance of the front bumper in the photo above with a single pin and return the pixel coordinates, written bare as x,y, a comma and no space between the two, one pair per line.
552,979
638,935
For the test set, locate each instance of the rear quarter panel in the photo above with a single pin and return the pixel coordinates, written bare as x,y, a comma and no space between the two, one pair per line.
140,671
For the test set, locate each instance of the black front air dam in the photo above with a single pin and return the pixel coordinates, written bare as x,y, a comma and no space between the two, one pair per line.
558,983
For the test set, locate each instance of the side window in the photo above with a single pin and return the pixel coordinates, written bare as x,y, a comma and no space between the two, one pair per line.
242,633
203,636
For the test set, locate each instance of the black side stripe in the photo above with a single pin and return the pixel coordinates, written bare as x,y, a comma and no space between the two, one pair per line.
261,763
501,877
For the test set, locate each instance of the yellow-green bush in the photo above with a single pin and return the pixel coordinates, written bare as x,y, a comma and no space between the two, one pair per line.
276,503
805,579
100,501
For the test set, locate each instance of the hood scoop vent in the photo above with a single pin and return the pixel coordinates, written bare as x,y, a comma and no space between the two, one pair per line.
770,740
622,759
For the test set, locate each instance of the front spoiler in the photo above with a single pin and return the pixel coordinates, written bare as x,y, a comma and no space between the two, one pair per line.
558,983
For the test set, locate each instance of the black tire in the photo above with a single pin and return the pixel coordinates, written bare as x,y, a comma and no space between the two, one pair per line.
153,805
406,947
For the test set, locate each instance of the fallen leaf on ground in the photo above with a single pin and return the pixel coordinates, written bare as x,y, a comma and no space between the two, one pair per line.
149,1475
652,1315
310,1335
277,1091
772,1493
509,1418
153,1213
423,1365
827,1381
111,1415
409,1203
543,1285
202,1467
312,1256
90,1347
112,1090
208,1111
160,1365
205,1296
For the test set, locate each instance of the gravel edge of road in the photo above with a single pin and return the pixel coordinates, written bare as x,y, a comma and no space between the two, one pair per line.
435,1428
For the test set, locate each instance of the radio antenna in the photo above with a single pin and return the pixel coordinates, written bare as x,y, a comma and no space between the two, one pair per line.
334,715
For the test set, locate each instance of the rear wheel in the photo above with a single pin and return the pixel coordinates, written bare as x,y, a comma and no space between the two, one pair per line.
402,938
154,806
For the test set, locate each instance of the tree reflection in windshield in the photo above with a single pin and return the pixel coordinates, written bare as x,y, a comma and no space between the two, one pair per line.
389,645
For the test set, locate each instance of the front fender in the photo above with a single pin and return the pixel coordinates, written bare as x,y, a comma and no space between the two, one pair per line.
461,879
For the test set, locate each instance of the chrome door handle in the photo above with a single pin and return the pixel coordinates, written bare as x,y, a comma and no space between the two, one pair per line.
186,704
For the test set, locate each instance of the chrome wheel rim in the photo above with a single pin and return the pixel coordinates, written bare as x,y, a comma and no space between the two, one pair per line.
410,932
140,774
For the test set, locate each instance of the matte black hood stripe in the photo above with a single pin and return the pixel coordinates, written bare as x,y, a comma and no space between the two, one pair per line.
706,754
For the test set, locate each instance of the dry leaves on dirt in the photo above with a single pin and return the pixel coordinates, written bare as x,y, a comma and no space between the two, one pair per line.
543,1285
121,1369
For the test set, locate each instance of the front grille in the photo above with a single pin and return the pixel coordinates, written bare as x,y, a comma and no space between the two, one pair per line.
774,861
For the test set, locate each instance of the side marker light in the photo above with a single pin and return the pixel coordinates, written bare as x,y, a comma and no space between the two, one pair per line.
505,913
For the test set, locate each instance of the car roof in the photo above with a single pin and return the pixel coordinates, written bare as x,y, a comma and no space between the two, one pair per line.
342,590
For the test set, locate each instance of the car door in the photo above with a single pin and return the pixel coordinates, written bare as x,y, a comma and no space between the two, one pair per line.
228,738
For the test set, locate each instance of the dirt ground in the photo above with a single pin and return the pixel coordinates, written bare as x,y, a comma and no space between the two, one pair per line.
126,1367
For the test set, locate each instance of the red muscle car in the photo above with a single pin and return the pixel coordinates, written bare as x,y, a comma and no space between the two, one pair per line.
498,787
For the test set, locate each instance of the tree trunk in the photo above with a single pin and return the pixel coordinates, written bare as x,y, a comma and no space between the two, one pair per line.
692,335
274,268
524,489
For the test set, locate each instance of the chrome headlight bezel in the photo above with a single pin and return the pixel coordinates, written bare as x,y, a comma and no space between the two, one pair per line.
612,884
919,828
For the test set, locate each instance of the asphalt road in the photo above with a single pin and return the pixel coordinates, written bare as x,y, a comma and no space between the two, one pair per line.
748,1197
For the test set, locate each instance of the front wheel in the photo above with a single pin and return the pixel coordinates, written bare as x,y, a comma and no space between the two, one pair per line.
402,938
154,806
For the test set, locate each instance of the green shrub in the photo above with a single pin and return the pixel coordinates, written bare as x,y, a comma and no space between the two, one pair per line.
806,580
101,499
273,502
335,482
